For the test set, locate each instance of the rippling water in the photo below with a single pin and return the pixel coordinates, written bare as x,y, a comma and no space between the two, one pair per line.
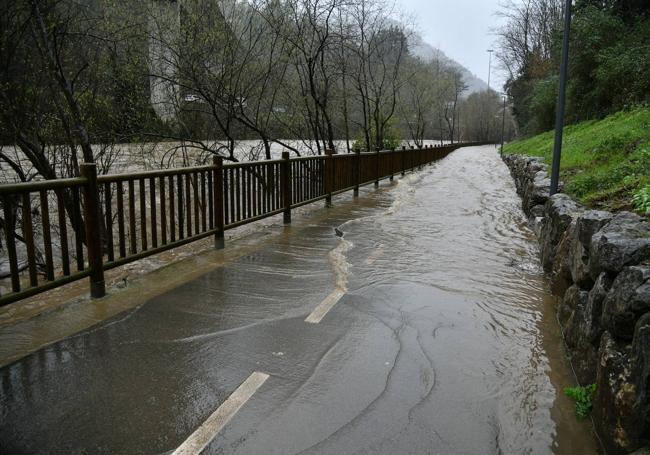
454,266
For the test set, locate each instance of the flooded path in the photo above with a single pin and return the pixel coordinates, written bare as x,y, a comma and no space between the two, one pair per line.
414,320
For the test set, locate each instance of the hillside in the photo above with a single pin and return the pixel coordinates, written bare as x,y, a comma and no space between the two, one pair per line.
427,53
605,163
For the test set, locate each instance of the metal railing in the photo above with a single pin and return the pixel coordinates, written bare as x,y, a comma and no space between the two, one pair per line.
102,222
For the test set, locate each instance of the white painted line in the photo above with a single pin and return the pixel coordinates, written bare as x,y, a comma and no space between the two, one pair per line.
219,418
325,306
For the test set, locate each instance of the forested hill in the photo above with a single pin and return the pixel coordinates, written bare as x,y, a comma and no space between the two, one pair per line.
428,53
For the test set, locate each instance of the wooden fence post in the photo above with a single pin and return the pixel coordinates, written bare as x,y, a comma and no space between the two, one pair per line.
10,236
357,170
93,230
217,200
377,168
392,163
403,153
329,177
285,183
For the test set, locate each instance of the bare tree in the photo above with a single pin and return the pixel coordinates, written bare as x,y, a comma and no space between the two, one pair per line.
458,87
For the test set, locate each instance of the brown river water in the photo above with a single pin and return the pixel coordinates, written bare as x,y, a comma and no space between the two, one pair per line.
444,340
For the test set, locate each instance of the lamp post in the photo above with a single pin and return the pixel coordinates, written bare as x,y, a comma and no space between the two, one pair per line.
490,51
451,123
561,100
458,128
503,123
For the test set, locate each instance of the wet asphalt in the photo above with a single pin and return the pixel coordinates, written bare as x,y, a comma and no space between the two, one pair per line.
438,345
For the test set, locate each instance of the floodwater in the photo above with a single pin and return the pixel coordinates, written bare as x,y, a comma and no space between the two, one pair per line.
128,158
444,340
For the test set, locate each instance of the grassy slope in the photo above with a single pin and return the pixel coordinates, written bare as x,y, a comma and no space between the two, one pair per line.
604,162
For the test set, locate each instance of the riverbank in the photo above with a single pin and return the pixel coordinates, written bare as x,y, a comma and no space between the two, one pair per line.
599,263
605,163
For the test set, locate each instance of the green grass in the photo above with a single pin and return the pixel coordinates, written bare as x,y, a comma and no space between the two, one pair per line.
605,163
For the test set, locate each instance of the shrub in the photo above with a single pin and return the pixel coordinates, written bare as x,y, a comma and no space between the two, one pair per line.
641,200
583,397
391,139
543,103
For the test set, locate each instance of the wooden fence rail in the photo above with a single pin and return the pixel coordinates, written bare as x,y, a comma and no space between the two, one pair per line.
102,222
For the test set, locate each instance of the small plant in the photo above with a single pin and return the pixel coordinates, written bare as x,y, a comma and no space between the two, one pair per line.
583,398
641,200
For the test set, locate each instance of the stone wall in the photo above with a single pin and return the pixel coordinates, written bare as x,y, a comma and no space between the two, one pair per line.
599,265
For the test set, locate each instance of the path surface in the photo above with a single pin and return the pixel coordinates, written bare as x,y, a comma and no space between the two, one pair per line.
411,321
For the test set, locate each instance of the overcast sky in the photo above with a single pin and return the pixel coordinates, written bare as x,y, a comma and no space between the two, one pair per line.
460,28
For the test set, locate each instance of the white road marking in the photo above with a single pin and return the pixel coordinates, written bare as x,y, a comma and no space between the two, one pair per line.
219,418
325,306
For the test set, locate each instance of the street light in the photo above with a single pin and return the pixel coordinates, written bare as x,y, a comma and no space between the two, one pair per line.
503,123
458,120
490,51
561,100
451,105
503,118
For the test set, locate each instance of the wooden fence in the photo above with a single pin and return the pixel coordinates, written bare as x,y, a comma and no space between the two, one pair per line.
102,222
